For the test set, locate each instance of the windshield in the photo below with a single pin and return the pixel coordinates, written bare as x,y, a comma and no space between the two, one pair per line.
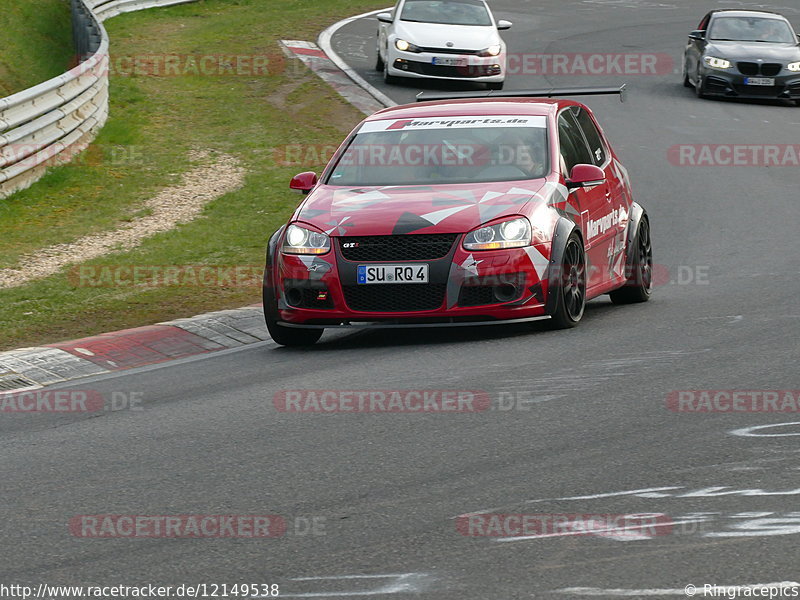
751,29
446,12
447,150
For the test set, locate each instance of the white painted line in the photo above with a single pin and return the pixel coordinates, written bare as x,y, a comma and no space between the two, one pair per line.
324,41
614,533
403,583
651,493
750,431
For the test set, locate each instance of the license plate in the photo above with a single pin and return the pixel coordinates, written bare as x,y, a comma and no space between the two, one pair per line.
767,81
393,273
449,61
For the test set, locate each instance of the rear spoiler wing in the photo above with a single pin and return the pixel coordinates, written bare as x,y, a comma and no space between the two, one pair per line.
621,91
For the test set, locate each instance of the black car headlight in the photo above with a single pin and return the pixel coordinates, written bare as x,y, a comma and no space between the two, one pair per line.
514,233
299,240
406,46
717,63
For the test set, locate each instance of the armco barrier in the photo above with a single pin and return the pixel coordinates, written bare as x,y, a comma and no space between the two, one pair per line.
51,122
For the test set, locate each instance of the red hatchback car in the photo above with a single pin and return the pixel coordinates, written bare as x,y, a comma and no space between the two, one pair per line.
460,211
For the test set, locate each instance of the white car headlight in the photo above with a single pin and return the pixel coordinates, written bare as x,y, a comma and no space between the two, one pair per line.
514,233
717,63
406,46
794,67
491,50
299,240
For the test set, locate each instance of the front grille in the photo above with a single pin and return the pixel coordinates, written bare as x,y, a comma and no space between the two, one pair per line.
715,84
450,51
445,71
376,248
476,295
399,297
748,68
766,69
758,90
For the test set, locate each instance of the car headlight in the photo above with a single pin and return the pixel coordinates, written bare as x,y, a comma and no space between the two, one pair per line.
514,233
794,67
491,50
406,46
299,240
717,63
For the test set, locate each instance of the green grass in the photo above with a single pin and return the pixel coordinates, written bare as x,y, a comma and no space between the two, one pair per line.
155,122
35,42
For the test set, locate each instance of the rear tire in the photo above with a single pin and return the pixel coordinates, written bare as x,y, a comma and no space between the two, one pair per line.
639,286
286,336
571,299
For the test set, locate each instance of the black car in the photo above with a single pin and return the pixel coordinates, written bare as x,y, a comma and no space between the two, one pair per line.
743,54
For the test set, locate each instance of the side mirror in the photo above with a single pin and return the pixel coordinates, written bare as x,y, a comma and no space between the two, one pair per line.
699,34
304,182
384,17
503,24
585,176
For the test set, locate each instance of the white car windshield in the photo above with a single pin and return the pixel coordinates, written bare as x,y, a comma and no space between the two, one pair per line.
751,29
446,150
447,12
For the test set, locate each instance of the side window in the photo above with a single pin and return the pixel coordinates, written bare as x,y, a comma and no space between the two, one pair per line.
596,146
573,148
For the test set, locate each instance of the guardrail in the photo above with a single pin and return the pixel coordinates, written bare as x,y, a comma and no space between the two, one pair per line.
50,123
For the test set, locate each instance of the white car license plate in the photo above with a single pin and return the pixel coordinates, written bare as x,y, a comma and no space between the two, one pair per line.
767,81
417,273
449,61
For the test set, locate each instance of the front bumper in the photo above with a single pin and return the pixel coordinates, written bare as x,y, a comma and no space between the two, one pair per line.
473,68
732,84
463,287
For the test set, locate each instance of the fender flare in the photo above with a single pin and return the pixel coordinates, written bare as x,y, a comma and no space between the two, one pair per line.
637,213
272,246
564,228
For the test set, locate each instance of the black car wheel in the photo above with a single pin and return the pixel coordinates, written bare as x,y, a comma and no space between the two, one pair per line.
285,336
698,87
686,82
388,79
495,85
639,285
379,62
571,299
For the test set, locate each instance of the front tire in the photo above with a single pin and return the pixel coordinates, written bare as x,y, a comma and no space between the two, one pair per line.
639,285
389,79
571,290
686,82
286,336
698,87
379,63
495,85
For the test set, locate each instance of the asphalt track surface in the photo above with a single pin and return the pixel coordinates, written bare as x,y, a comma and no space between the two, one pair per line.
388,486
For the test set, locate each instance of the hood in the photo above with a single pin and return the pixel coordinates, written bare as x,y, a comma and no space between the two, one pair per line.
395,210
753,51
432,35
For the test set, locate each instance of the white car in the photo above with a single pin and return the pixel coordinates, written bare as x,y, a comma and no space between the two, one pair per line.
442,39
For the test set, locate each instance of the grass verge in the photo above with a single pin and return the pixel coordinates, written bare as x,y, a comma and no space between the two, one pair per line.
156,121
35,43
